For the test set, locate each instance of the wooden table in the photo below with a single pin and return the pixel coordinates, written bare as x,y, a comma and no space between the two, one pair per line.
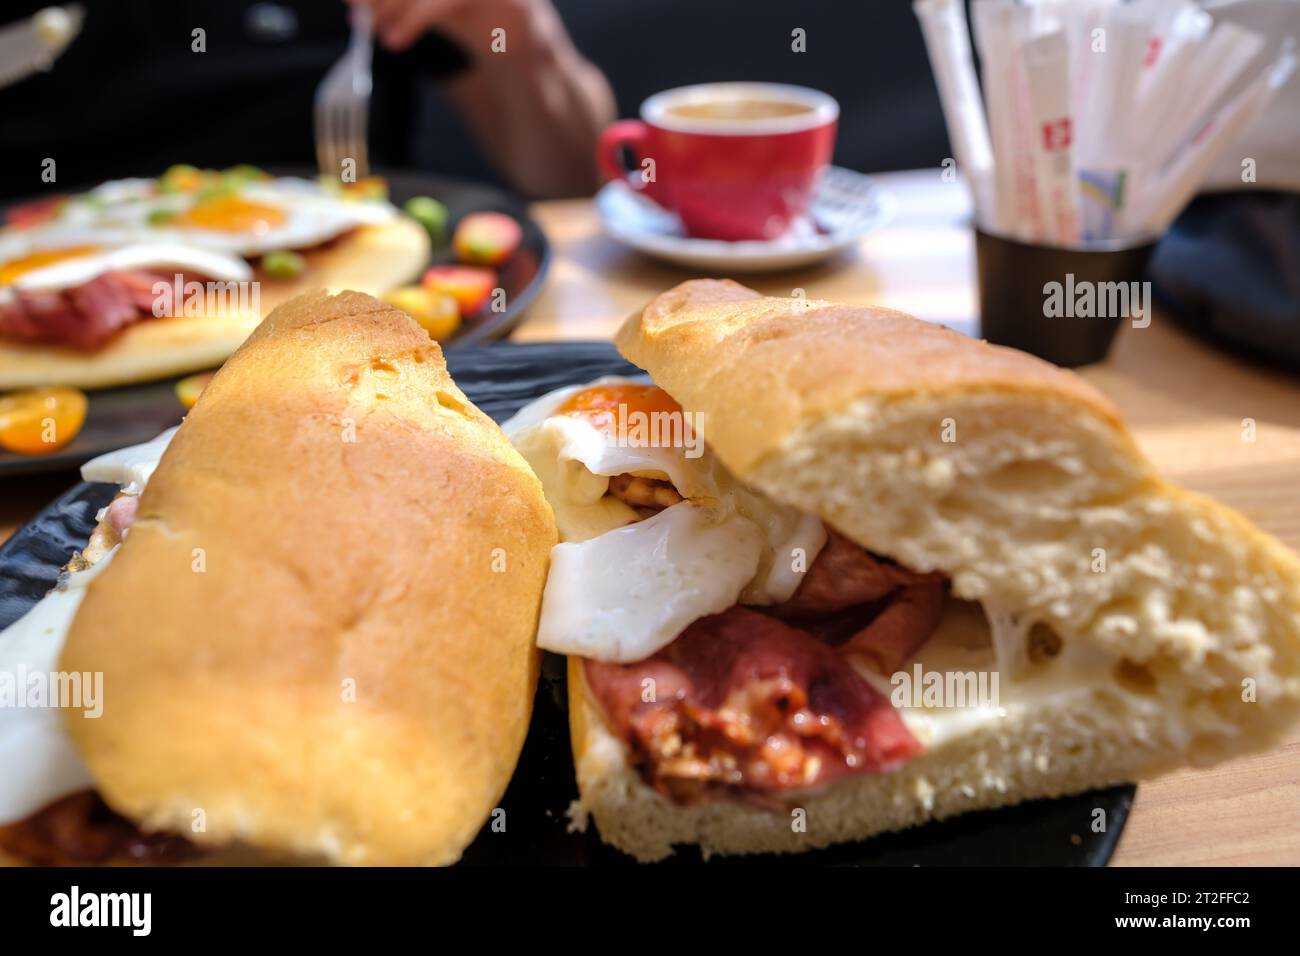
1185,403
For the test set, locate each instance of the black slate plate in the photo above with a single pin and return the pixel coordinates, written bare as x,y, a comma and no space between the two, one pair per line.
499,380
135,413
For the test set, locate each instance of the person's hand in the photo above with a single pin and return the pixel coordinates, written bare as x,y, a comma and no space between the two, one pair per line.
536,113
399,23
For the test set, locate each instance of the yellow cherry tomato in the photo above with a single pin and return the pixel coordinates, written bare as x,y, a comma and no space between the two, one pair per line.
437,312
191,387
182,178
367,187
41,420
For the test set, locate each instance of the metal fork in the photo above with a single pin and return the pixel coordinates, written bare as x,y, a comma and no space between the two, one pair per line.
342,108
33,44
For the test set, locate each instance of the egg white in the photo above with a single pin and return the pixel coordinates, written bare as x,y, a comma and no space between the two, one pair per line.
621,589
40,762
152,256
627,593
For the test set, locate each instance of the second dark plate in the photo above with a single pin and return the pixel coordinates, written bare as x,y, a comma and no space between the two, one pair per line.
135,413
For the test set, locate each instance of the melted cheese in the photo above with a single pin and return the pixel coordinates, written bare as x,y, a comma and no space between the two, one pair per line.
966,643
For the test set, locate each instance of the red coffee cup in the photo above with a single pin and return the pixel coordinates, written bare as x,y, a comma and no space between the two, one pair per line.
733,160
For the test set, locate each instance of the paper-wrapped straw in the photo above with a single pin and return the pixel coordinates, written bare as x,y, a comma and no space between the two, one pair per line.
943,23
1047,68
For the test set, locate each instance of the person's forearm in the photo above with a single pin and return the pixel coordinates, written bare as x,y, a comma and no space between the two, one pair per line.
536,108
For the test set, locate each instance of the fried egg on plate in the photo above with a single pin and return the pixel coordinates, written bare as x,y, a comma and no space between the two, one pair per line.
621,588
248,219
25,268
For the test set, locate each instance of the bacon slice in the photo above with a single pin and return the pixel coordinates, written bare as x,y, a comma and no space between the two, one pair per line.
121,513
866,604
898,631
741,704
34,213
845,575
86,317
81,829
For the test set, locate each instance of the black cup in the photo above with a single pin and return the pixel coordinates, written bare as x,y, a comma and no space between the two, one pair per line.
1061,304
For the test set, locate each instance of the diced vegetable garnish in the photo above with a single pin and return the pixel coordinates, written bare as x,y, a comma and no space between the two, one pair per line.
160,217
41,420
486,238
181,178
429,213
468,285
436,311
218,187
283,264
245,173
208,183
191,387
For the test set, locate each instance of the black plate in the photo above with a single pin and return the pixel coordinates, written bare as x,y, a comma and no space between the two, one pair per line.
499,380
135,413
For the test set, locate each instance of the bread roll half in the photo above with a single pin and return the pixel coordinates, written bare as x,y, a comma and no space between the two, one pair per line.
317,637
1019,481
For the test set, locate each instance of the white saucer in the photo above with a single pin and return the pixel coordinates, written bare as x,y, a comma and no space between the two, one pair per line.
845,206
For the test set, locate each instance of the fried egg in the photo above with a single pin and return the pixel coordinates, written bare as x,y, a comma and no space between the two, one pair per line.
53,270
621,588
41,764
574,456
248,218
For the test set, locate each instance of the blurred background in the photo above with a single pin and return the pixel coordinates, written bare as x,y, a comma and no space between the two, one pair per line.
868,55
133,95
130,97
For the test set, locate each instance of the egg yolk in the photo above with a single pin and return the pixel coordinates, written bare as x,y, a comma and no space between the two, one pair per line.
232,214
11,270
600,403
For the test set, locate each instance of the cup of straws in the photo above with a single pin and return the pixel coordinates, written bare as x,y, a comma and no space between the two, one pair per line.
1090,127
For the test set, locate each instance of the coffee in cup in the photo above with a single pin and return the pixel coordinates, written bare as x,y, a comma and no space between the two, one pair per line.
734,160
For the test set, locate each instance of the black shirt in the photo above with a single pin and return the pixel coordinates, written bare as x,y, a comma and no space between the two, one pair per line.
131,95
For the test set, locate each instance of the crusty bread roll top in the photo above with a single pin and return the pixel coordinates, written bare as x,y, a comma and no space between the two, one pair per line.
318,635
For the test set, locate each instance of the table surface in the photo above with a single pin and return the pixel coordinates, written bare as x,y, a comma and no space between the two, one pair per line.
1184,401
